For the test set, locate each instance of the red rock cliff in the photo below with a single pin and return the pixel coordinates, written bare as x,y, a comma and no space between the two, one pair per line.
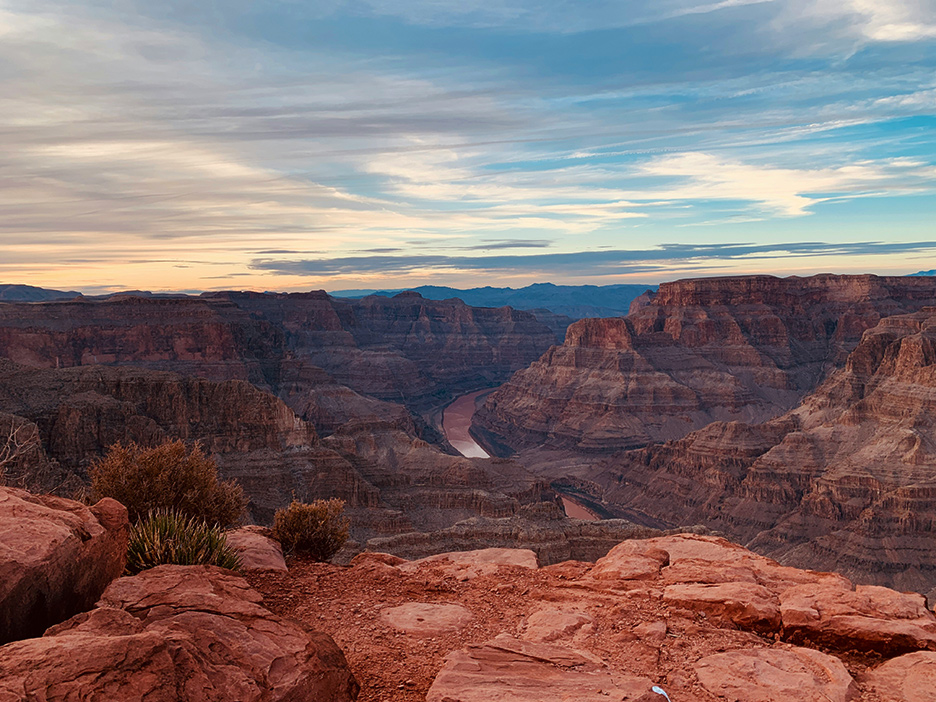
714,349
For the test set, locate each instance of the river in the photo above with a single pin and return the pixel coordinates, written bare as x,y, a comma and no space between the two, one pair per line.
456,421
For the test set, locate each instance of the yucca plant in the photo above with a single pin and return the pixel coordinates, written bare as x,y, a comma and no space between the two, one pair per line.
167,537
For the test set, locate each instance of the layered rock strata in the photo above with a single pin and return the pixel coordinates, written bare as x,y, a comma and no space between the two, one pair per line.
539,527
390,481
846,481
404,348
715,349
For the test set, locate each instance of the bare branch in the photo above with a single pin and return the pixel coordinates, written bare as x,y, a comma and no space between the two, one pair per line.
18,440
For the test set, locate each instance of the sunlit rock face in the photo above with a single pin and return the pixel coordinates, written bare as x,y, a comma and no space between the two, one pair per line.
716,349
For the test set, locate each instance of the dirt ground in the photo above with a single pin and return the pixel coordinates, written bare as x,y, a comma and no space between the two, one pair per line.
390,666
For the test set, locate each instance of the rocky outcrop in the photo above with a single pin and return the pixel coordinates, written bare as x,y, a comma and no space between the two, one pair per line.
434,490
761,675
716,349
677,626
845,481
177,633
909,678
256,549
56,558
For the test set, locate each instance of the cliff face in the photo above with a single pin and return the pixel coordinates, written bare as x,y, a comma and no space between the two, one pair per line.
717,349
846,481
298,346
390,481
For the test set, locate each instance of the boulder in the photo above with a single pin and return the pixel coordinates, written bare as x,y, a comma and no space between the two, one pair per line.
258,551
776,675
194,633
866,618
423,619
465,565
56,558
908,678
749,605
507,669
631,560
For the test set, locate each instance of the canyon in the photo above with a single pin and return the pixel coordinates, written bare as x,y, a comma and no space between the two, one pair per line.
697,351
294,394
792,415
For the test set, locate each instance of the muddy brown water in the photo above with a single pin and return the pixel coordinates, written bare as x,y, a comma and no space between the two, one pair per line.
456,421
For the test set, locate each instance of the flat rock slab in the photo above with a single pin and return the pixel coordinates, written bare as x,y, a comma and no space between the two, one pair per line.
909,678
194,633
553,624
465,565
258,551
749,605
424,619
866,618
510,670
776,675
56,558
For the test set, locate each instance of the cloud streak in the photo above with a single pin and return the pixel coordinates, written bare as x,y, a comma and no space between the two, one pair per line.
595,263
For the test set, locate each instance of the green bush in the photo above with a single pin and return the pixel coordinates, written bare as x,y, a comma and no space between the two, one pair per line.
318,529
167,537
170,476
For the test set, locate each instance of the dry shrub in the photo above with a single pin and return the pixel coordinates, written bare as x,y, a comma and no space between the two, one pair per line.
166,537
170,476
318,529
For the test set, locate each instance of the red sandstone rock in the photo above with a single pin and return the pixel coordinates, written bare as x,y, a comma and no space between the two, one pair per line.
908,678
257,549
867,618
56,558
423,619
845,481
177,633
776,675
510,670
402,347
631,560
465,565
748,605
548,625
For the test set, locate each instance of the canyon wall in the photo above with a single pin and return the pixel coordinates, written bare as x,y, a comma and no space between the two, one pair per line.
697,351
845,481
314,351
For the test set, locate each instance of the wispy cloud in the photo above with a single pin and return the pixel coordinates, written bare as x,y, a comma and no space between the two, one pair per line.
596,263
326,130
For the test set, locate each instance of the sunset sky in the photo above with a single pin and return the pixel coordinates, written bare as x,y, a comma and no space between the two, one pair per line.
305,144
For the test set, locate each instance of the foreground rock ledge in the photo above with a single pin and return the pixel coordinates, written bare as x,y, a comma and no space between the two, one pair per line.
56,558
193,633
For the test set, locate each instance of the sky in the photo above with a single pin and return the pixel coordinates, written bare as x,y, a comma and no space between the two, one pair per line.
332,144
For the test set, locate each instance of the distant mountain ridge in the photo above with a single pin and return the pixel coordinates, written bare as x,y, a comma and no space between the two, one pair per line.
575,301
28,293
